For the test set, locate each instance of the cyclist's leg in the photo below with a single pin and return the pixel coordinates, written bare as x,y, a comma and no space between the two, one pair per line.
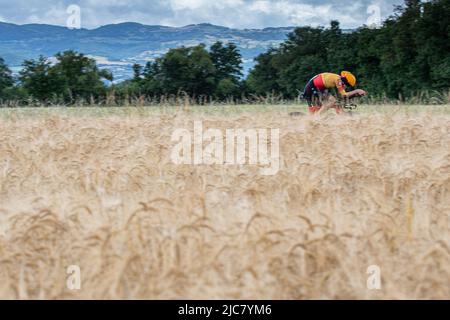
316,104
311,96
329,102
339,109
314,109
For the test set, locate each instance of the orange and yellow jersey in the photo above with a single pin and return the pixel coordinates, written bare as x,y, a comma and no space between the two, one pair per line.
328,80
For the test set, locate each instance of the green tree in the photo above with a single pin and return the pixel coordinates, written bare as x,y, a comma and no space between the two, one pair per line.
137,72
6,79
228,63
35,78
73,77
227,88
432,40
190,70
79,77
263,78
152,82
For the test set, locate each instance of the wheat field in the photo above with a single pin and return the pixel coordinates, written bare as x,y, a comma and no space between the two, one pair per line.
101,192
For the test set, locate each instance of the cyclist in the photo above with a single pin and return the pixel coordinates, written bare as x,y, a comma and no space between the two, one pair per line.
319,91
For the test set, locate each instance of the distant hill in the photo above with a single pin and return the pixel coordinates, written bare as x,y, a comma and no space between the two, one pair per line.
118,46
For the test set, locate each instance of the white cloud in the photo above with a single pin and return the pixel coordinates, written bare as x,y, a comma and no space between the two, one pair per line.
105,61
55,14
188,4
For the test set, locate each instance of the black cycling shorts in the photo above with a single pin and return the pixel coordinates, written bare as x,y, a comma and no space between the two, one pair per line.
313,96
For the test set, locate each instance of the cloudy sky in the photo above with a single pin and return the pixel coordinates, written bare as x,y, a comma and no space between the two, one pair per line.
230,13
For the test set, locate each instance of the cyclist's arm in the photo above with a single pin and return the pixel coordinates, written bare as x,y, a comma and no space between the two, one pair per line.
349,95
355,93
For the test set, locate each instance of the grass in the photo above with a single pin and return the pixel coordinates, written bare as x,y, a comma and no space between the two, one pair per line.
95,187
8,113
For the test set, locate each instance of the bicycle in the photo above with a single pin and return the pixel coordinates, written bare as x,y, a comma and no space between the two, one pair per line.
348,108
345,104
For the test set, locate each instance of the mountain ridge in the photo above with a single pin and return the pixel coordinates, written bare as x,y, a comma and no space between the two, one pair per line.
35,29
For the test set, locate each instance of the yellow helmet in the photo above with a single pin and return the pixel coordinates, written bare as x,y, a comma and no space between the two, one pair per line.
351,79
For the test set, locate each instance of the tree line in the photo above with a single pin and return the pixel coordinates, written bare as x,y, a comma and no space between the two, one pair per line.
409,53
